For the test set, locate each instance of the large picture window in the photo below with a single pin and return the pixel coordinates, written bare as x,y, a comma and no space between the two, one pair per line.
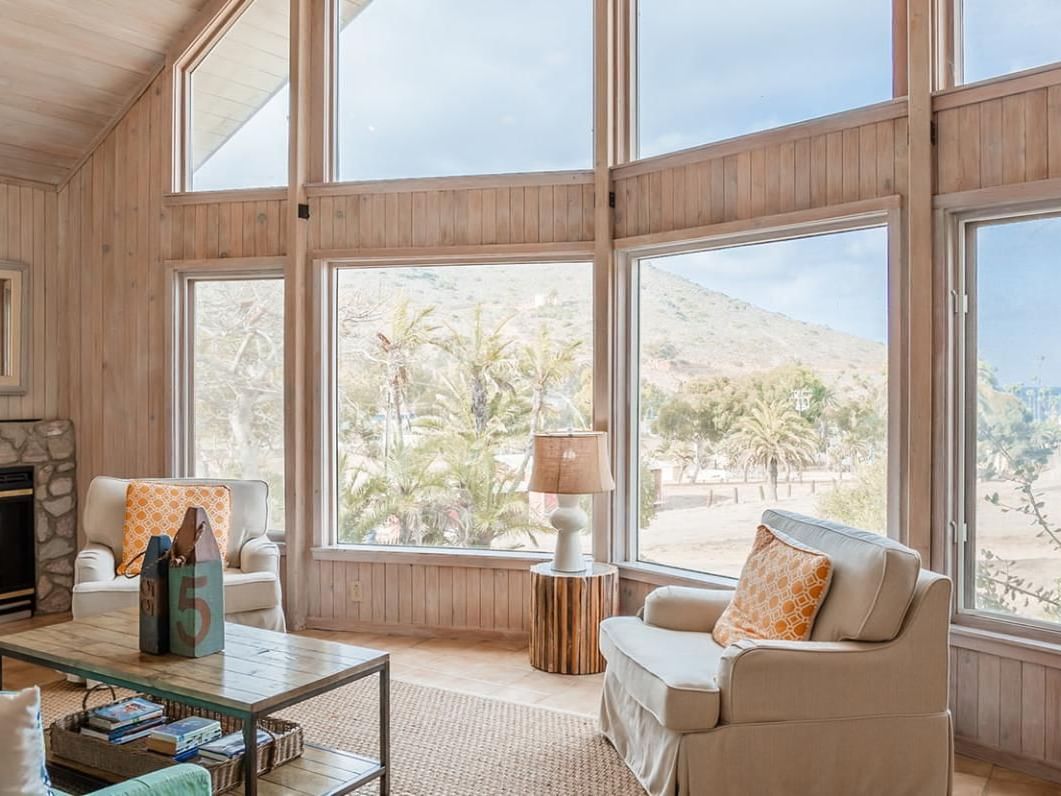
763,377
443,374
234,405
1012,420
1003,36
237,103
710,71
429,89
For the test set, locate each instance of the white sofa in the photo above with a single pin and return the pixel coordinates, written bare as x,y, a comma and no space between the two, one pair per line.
861,708
252,578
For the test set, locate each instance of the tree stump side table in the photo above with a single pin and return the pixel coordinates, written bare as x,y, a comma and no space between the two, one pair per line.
565,613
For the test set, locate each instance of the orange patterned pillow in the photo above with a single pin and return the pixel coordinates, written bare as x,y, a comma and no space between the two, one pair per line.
781,587
152,509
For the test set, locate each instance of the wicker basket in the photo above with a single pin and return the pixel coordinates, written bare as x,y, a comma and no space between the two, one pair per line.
134,759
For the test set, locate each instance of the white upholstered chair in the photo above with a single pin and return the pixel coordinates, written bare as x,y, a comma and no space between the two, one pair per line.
252,579
861,708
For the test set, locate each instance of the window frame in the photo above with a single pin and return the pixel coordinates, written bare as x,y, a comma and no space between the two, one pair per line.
183,277
959,229
951,50
325,541
884,213
181,95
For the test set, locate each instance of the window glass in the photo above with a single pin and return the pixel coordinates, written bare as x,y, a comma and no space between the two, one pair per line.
1003,36
429,88
444,373
710,71
237,384
238,104
763,384
1014,500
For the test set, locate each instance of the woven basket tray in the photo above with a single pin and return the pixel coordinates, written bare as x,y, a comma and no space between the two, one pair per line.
134,759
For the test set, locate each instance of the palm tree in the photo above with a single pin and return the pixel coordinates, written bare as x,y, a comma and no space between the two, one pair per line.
409,331
772,435
545,364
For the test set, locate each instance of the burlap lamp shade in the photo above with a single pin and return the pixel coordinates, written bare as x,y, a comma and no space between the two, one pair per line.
567,465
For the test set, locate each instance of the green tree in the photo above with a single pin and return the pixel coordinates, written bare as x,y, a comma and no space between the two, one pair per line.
773,435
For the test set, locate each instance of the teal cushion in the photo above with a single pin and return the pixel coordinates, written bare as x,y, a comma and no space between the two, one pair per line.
185,779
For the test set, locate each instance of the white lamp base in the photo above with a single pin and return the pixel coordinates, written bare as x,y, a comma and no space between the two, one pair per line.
568,519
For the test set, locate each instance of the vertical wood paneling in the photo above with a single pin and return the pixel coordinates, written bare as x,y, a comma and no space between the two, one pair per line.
809,171
999,141
29,234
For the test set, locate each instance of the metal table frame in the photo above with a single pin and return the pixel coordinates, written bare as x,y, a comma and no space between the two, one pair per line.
250,717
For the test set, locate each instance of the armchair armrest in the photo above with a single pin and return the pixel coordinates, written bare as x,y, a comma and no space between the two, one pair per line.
764,681
260,554
684,608
94,562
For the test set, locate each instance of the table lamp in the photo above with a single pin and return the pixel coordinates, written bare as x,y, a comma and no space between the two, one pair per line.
569,464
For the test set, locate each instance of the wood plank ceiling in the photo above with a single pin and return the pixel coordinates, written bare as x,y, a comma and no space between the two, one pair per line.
67,68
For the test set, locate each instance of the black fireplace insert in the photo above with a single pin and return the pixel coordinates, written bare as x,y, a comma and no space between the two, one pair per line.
18,566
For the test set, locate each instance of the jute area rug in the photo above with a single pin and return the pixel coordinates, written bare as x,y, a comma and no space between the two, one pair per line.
444,742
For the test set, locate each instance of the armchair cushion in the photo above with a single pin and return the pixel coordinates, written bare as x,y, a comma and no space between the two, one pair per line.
683,608
873,578
244,591
184,779
671,674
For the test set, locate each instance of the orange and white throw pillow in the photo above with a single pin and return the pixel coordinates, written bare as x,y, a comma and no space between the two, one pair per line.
152,509
782,586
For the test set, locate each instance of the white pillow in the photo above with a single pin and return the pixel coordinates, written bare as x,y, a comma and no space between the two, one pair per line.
22,771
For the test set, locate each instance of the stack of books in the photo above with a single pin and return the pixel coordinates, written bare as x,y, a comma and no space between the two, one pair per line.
124,721
230,747
181,739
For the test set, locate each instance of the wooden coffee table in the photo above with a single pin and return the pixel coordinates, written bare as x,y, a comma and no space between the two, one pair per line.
258,673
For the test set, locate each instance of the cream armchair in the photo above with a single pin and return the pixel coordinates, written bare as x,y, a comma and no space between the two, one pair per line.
252,578
860,708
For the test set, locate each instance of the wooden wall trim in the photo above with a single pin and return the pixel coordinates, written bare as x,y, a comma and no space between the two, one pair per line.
222,197
1008,198
412,184
997,87
1004,645
21,182
799,222
871,114
964,746
419,631
513,252
458,557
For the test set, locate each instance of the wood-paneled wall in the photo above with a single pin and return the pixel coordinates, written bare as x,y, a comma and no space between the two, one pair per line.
1007,706
112,248
816,164
30,234
998,140
218,229
422,598
559,210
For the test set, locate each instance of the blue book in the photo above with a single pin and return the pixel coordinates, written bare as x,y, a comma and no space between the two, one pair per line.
123,713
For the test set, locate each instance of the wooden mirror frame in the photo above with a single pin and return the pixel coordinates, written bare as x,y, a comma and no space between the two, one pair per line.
16,382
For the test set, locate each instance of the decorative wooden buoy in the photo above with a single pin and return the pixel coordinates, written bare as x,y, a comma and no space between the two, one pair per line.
196,589
565,614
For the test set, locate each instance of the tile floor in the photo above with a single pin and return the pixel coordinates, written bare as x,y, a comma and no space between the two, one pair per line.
500,669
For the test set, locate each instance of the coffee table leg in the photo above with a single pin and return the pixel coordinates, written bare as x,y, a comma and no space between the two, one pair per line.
250,757
385,728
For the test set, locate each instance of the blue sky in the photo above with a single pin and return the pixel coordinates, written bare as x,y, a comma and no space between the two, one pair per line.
1019,289
837,280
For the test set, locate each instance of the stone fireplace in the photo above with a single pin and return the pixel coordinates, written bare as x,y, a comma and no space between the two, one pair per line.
48,447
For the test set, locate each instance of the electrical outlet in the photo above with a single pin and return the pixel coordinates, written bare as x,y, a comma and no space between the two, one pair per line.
355,592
